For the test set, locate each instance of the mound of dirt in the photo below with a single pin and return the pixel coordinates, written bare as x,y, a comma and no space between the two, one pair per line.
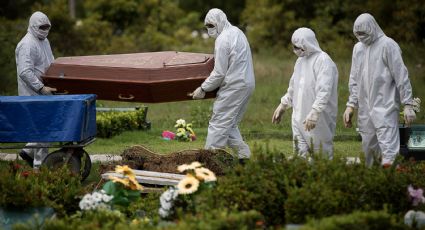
139,157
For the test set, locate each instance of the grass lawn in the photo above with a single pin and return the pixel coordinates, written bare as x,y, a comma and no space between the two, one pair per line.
152,139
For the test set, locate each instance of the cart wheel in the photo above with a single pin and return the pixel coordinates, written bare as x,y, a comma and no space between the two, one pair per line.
85,161
57,159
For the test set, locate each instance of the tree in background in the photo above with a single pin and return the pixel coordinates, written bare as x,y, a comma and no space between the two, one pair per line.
125,26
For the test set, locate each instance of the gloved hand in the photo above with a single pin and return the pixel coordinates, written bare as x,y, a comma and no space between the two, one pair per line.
311,120
198,93
409,114
348,114
47,90
277,115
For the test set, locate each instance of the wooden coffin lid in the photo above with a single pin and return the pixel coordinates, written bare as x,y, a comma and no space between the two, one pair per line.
137,67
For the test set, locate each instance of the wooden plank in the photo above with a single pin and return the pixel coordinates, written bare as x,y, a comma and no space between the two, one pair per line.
145,179
158,174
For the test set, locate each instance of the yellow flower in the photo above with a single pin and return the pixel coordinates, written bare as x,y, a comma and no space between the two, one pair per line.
134,184
192,166
195,165
124,181
188,185
183,167
205,174
124,170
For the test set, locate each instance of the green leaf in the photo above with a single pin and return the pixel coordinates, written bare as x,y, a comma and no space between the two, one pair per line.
110,188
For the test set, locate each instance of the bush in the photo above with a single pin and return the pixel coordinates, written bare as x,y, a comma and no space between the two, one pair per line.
259,186
221,219
291,191
20,188
356,221
331,188
112,123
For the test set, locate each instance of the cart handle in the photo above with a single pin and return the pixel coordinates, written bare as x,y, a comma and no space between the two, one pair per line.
124,97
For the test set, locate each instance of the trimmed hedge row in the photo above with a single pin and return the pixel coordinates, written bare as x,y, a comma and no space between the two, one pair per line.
111,123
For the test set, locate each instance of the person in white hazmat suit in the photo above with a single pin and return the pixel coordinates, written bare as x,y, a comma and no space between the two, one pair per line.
312,94
33,56
378,83
233,74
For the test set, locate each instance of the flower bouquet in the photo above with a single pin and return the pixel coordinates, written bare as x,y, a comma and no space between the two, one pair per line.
184,132
197,178
119,191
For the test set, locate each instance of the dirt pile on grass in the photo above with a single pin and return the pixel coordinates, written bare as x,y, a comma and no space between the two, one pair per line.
139,157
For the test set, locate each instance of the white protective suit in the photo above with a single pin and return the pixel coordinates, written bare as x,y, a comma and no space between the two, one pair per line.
313,86
233,74
33,57
378,83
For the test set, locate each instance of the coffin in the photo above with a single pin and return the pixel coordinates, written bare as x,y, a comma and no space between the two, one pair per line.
139,77
64,118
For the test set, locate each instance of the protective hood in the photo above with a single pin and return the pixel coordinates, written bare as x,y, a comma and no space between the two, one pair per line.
38,19
365,23
305,39
217,18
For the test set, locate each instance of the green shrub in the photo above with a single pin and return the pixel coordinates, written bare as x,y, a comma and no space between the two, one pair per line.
112,123
221,219
20,187
356,221
259,186
333,187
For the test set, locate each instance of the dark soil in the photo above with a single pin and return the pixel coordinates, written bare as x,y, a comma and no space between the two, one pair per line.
141,158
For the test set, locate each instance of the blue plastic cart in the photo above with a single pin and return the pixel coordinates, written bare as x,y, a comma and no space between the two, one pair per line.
67,122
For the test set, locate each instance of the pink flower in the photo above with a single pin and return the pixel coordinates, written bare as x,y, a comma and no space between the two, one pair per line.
192,137
168,135
416,195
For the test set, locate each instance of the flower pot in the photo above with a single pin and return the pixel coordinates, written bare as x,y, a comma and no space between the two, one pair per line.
12,215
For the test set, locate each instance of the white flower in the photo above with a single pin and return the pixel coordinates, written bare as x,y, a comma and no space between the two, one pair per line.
194,34
167,205
205,35
163,213
97,197
180,122
95,201
170,195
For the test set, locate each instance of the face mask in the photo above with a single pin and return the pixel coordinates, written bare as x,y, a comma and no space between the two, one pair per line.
42,34
299,52
39,33
212,32
365,39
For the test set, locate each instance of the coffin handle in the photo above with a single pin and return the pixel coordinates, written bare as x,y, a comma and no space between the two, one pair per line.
125,97
62,93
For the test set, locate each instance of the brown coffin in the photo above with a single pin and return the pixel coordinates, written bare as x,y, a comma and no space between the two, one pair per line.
139,77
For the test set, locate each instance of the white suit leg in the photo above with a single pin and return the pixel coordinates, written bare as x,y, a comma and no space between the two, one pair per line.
301,147
236,142
37,153
389,143
370,147
228,111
